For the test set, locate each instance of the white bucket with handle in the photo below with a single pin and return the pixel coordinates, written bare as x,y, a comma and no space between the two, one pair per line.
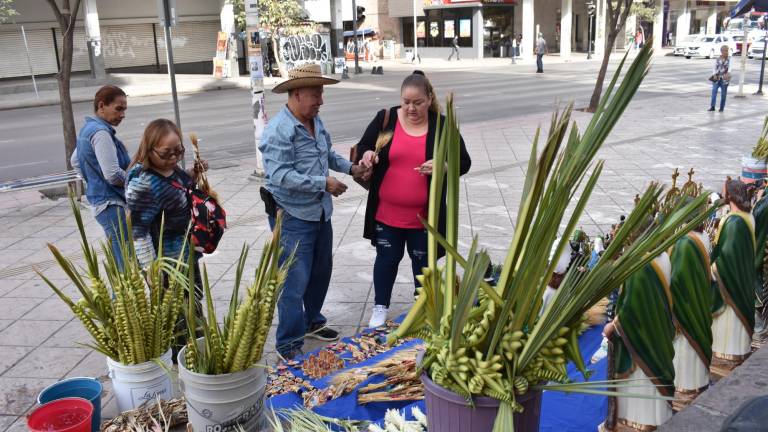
144,382
221,403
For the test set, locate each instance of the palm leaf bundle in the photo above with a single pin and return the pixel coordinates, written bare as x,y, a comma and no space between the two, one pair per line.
761,148
495,341
129,312
201,177
239,342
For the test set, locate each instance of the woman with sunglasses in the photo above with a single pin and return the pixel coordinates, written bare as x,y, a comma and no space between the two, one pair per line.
156,192
157,198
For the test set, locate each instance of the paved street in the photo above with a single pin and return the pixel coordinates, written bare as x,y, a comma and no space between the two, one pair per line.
667,126
31,143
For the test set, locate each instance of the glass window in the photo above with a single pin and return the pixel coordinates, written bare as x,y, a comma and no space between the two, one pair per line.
438,28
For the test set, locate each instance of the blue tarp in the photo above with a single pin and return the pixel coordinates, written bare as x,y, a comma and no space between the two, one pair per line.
560,412
745,6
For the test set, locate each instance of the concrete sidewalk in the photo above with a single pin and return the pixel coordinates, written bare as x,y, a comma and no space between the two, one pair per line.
39,336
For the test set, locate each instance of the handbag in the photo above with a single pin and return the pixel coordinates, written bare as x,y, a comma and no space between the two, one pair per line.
714,78
354,157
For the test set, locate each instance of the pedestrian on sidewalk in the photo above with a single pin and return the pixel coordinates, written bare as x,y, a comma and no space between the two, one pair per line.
101,160
297,158
399,189
541,50
720,78
157,199
519,45
454,48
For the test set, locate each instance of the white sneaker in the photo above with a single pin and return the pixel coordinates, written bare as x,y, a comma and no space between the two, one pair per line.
379,316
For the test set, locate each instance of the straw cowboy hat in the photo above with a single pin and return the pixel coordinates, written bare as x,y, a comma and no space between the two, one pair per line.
306,75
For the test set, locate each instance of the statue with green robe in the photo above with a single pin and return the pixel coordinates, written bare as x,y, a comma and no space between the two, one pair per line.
735,278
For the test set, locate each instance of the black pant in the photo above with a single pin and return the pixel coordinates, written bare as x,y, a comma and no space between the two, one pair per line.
454,49
539,63
390,245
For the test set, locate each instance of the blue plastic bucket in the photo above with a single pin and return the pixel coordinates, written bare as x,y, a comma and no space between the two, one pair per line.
87,388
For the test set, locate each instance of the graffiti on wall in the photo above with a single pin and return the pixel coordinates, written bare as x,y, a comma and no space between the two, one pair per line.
300,49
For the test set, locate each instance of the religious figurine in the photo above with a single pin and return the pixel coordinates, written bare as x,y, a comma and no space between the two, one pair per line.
735,279
642,334
760,213
691,306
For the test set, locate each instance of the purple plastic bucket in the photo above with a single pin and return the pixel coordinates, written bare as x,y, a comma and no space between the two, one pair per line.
449,412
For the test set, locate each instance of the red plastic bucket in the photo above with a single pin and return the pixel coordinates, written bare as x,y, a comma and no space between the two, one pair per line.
62,415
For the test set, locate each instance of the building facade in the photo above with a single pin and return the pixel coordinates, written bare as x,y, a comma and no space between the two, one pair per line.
126,34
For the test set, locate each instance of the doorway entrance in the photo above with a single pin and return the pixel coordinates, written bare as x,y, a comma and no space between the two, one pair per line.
498,30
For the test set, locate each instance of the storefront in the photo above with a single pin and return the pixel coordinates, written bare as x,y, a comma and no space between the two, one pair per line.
484,28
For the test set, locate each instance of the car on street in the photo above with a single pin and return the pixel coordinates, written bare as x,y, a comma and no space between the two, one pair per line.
682,44
758,48
708,46
739,39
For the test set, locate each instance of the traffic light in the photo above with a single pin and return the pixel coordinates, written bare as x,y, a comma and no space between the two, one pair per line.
591,8
360,15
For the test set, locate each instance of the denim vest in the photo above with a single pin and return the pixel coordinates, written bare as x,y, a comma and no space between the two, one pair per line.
97,189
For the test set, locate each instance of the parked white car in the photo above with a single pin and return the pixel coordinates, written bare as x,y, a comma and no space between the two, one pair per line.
757,50
709,46
681,45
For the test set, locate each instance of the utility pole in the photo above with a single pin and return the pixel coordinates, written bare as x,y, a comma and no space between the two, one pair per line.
591,8
354,28
168,19
744,44
762,60
256,71
415,37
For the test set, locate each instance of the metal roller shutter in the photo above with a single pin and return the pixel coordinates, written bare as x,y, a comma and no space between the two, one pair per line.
41,52
192,41
128,45
80,60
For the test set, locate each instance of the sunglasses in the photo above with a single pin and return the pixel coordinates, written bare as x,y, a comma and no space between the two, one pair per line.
179,152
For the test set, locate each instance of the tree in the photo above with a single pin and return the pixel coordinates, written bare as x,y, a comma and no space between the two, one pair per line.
280,17
617,13
66,15
6,10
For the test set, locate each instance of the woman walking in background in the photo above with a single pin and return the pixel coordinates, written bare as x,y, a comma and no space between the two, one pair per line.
720,78
399,190
101,160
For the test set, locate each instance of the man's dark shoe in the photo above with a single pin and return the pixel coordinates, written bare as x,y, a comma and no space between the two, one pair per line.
711,109
323,333
721,109
290,355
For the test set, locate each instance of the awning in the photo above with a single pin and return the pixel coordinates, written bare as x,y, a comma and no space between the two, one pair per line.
745,6
360,32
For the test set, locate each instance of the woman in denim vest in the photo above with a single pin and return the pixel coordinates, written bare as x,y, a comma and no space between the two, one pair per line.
101,159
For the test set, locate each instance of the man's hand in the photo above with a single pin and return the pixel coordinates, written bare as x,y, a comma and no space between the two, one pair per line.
359,172
334,186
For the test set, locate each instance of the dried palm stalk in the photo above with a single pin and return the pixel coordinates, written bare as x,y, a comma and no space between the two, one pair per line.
159,416
201,177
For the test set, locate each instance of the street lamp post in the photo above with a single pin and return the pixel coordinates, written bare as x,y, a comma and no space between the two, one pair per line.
762,61
590,13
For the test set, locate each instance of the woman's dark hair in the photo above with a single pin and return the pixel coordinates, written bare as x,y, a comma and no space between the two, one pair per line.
419,80
736,192
107,95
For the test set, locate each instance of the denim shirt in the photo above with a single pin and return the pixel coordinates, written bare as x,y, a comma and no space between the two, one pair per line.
98,189
297,164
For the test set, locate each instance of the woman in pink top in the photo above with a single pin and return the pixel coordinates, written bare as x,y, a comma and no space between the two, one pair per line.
399,190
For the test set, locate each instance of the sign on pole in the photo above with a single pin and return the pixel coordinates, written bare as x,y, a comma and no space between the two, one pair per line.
256,71
172,12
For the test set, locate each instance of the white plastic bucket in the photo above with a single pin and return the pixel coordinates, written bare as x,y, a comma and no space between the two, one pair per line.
753,169
219,403
136,384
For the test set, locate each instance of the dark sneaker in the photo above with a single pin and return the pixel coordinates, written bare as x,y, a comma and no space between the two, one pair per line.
322,333
711,109
290,355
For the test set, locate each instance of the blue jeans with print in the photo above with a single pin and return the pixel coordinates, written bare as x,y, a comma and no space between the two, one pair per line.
723,86
305,288
391,243
112,220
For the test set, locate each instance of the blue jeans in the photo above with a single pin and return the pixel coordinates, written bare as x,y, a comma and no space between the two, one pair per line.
301,300
390,245
113,221
539,63
723,92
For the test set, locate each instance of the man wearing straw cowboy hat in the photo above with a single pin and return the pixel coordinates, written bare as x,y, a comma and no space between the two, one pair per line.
297,158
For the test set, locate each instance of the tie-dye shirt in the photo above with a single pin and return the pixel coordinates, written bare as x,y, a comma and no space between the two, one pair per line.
151,198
